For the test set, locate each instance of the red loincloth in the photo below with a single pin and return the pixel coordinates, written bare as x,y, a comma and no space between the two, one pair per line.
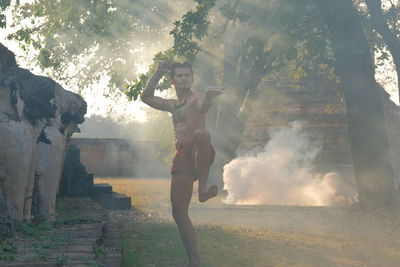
184,161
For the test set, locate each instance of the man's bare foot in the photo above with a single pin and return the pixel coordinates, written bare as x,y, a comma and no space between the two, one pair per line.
207,193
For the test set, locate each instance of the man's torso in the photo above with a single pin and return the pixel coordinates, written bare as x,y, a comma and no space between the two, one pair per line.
187,118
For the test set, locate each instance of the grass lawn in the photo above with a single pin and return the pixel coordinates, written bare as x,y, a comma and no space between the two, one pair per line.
252,235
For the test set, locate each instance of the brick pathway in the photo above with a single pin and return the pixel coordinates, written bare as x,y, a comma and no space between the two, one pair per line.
82,236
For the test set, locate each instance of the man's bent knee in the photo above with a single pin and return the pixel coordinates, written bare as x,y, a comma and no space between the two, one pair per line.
202,137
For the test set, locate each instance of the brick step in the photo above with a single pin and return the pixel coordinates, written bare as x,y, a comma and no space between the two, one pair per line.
100,189
117,201
112,242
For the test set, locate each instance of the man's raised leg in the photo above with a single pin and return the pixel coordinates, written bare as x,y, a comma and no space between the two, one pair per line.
181,193
202,165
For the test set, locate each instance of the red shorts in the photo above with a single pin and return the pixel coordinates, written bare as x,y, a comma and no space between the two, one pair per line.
184,161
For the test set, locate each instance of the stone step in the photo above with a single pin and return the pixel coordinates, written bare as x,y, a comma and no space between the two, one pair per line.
116,202
100,189
112,242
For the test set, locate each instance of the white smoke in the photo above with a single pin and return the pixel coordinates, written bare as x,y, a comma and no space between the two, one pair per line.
282,174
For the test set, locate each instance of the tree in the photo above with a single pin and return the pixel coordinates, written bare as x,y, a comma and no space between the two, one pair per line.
3,5
387,25
187,33
366,120
84,42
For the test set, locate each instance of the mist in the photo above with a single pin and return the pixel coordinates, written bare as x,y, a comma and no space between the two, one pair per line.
101,127
282,173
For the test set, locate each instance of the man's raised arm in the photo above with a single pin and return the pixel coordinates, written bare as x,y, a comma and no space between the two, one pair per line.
148,96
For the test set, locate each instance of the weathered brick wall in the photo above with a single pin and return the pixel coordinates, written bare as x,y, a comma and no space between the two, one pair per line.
325,114
323,111
119,157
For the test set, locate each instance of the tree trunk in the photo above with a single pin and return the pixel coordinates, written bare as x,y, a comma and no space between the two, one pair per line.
367,131
390,38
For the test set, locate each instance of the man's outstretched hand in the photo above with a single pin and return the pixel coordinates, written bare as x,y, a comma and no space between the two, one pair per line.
214,91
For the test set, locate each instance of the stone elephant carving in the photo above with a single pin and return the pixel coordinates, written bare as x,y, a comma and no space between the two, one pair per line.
17,146
71,109
37,117
17,159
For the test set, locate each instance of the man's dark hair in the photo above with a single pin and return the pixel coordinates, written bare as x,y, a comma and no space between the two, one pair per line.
177,65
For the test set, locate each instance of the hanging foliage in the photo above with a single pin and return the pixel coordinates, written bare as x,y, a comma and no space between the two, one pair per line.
187,32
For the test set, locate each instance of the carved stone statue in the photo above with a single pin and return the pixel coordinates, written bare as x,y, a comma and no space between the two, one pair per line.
37,118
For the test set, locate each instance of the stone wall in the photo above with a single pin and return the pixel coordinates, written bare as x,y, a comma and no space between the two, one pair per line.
37,118
114,157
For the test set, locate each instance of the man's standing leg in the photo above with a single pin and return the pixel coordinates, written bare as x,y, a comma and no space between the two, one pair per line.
181,194
202,164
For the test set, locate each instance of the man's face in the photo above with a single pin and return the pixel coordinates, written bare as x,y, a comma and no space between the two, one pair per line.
183,78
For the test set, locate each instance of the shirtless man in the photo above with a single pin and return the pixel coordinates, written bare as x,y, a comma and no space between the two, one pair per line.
194,153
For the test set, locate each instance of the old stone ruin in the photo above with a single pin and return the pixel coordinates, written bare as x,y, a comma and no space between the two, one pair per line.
322,109
77,182
115,157
37,118
107,157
